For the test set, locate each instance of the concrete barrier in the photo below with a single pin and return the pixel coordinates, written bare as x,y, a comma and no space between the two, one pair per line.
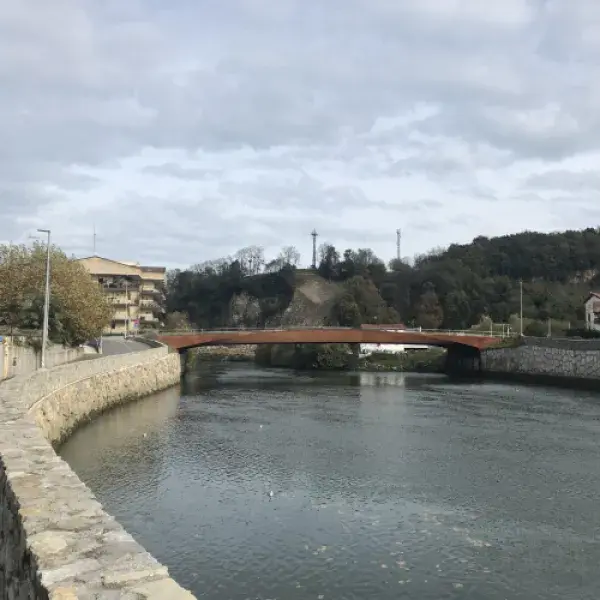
56,542
19,358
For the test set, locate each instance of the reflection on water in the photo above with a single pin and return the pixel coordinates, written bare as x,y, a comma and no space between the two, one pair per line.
385,485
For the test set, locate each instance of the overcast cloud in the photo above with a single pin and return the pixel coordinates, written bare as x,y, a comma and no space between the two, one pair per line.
185,129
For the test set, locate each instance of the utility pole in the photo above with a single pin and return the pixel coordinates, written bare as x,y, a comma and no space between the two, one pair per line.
314,257
126,309
398,241
46,300
521,299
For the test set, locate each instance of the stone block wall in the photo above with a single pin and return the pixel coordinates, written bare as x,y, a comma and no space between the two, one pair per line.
574,360
56,541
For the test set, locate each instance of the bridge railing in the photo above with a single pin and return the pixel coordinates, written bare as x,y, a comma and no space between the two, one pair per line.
305,327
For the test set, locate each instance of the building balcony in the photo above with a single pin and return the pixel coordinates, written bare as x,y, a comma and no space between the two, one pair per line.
151,306
150,292
116,301
148,319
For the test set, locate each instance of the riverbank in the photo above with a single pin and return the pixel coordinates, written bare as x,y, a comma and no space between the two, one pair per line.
59,541
244,353
548,361
415,361
331,357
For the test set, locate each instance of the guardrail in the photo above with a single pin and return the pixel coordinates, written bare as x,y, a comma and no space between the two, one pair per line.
304,327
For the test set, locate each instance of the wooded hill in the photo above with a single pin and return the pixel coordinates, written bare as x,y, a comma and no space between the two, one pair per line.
453,288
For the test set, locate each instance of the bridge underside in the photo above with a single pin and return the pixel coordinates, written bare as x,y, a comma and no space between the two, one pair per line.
323,336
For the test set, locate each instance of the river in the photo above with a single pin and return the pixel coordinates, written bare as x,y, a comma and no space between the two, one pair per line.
384,486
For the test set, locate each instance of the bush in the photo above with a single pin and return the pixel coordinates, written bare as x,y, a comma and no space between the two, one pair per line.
536,329
583,333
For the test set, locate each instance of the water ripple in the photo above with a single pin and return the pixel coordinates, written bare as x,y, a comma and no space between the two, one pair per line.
386,487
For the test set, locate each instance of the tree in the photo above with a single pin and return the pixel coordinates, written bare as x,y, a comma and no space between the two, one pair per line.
289,255
177,321
429,311
328,265
360,302
78,309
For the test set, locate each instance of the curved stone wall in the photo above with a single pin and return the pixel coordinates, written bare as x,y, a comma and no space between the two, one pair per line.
56,542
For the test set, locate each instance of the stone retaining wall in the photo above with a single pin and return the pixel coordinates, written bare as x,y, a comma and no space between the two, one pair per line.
575,362
241,351
56,542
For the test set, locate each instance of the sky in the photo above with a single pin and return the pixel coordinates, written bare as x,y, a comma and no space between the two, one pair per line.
183,130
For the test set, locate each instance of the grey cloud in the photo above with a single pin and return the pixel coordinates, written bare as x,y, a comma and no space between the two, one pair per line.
568,181
84,83
179,172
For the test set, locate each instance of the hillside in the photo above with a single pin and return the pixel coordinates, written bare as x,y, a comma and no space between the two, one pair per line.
454,288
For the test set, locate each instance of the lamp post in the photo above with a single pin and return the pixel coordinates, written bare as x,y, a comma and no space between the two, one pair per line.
126,309
521,298
46,299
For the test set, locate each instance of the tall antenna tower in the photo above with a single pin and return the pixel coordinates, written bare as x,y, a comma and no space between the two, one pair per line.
398,241
94,239
314,237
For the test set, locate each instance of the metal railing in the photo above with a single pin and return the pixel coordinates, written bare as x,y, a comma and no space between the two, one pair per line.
465,332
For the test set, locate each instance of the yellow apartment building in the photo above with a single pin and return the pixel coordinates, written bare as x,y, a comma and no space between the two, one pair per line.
135,291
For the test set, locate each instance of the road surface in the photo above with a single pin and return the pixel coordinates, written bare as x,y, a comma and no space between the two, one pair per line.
119,345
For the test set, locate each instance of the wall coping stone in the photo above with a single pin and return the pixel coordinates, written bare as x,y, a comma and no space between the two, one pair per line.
50,522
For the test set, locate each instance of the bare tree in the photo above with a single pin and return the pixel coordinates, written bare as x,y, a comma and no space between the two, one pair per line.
257,260
289,255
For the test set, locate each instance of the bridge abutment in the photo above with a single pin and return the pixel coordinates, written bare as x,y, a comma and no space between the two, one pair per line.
463,360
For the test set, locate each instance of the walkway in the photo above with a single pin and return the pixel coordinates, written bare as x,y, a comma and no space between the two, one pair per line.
119,345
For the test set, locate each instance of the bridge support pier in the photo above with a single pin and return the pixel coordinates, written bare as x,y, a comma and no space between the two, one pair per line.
463,360
183,361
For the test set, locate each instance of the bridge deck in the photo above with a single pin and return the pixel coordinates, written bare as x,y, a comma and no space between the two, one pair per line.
323,335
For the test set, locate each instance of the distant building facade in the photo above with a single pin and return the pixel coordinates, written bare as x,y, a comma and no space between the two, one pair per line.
367,349
136,292
592,311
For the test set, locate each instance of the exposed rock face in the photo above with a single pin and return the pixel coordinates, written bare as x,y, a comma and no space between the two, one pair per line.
312,302
55,540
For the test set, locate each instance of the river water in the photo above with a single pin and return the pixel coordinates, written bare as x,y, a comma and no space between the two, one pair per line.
385,486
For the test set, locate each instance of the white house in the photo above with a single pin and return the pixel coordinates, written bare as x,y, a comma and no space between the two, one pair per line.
592,311
366,349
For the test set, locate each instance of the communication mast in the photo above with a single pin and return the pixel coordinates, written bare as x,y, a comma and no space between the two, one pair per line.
314,258
398,241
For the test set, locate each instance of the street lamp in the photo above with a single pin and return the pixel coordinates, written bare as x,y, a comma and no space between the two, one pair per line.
521,295
46,299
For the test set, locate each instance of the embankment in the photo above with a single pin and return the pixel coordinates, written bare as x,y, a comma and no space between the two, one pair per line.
231,353
56,542
568,362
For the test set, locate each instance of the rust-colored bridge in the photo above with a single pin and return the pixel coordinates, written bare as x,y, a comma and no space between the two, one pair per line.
324,335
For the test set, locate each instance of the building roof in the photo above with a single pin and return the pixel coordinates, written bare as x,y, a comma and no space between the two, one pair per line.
99,265
593,295
117,262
